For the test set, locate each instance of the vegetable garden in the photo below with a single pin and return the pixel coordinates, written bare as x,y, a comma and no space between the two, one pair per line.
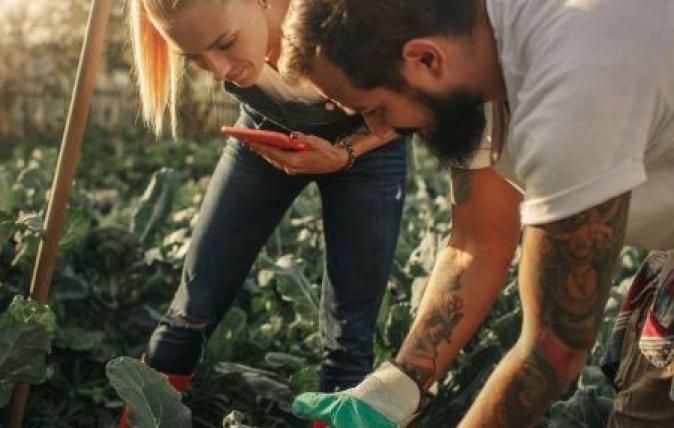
130,217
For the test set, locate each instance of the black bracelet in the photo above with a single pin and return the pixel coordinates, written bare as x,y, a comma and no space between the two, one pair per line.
347,145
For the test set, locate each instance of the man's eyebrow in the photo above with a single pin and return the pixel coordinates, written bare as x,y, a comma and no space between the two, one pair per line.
211,46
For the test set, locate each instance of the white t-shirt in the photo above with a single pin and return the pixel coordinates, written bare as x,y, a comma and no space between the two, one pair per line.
591,94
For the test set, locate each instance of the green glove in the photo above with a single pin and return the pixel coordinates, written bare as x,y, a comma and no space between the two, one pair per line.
387,398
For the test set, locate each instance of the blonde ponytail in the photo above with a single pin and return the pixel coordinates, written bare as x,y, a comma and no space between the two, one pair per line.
158,72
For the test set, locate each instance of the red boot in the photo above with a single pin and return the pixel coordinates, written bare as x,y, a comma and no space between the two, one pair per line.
319,424
179,382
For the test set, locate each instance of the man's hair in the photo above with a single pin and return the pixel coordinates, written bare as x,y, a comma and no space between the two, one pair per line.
364,38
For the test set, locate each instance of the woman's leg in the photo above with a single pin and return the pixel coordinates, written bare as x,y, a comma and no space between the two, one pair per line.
362,210
245,200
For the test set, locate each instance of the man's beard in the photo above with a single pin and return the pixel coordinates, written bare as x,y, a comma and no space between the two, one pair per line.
459,123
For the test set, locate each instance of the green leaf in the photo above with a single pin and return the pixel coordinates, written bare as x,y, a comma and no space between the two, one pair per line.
280,360
266,385
221,344
264,277
26,311
109,249
593,376
69,286
155,204
26,333
78,223
79,339
152,401
8,199
7,226
585,409
422,259
305,379
30,221
26,252
294,287
397,324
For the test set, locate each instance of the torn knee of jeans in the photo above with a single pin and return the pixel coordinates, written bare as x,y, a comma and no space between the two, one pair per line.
185,322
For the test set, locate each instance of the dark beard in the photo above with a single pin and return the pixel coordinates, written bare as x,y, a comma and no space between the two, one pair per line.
459,123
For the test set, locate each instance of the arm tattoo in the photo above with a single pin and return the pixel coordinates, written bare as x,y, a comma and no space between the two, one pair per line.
573,261
578,257
536,383
461,185
438,326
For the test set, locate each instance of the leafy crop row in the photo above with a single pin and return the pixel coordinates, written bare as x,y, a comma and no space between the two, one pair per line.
130,219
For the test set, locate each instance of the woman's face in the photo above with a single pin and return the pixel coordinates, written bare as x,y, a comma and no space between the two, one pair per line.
227,38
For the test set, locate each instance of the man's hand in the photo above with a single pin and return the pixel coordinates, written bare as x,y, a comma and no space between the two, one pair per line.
387,398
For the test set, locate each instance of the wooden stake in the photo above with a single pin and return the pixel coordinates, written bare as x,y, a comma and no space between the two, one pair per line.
65,171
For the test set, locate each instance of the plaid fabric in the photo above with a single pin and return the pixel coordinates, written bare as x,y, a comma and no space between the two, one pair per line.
656,340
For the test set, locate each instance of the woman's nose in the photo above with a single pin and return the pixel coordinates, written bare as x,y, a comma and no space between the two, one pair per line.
217,64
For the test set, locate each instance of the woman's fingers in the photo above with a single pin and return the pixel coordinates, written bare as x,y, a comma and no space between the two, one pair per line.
312,141
321,157
281,159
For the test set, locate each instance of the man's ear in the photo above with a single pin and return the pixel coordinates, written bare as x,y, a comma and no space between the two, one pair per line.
423,58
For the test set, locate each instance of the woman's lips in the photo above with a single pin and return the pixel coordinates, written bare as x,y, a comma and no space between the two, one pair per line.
236,76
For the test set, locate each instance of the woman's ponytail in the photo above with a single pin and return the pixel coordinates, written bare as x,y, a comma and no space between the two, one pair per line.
158,72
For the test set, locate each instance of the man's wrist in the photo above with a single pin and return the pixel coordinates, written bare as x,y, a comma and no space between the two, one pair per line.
425,395
389,391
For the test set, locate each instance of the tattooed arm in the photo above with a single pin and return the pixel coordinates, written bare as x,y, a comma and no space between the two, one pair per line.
565,277
467,275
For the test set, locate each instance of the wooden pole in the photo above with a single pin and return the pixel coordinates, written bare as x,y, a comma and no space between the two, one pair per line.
71,145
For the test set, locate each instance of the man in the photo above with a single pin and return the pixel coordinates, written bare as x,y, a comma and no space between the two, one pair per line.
580,155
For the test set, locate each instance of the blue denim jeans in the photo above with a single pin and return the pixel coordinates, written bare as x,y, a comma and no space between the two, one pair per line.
245,201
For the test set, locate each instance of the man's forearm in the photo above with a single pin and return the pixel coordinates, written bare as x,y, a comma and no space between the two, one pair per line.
462,288
565,278
467,276
365,141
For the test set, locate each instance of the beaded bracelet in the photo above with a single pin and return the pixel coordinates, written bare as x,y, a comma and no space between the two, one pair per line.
347,145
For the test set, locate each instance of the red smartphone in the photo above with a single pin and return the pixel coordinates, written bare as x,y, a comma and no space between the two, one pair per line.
259,136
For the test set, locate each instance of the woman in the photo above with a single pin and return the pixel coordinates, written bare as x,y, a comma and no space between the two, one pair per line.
361,179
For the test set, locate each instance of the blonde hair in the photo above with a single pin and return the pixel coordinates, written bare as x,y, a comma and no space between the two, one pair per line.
158,71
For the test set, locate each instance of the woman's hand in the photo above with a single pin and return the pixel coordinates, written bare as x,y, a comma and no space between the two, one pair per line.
320,157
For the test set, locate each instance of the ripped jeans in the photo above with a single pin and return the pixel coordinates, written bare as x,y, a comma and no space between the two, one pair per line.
245,201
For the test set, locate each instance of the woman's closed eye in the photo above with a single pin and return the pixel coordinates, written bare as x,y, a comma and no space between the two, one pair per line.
226,45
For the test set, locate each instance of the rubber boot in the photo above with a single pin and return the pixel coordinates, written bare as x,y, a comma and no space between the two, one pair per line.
179,382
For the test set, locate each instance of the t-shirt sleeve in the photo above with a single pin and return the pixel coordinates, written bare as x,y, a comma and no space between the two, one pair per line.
578,135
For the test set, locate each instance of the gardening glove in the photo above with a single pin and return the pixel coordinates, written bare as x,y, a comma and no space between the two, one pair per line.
387,398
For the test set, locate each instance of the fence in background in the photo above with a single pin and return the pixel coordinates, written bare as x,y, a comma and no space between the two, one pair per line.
29,113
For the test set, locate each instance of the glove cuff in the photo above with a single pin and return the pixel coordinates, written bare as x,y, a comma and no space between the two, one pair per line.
390,391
